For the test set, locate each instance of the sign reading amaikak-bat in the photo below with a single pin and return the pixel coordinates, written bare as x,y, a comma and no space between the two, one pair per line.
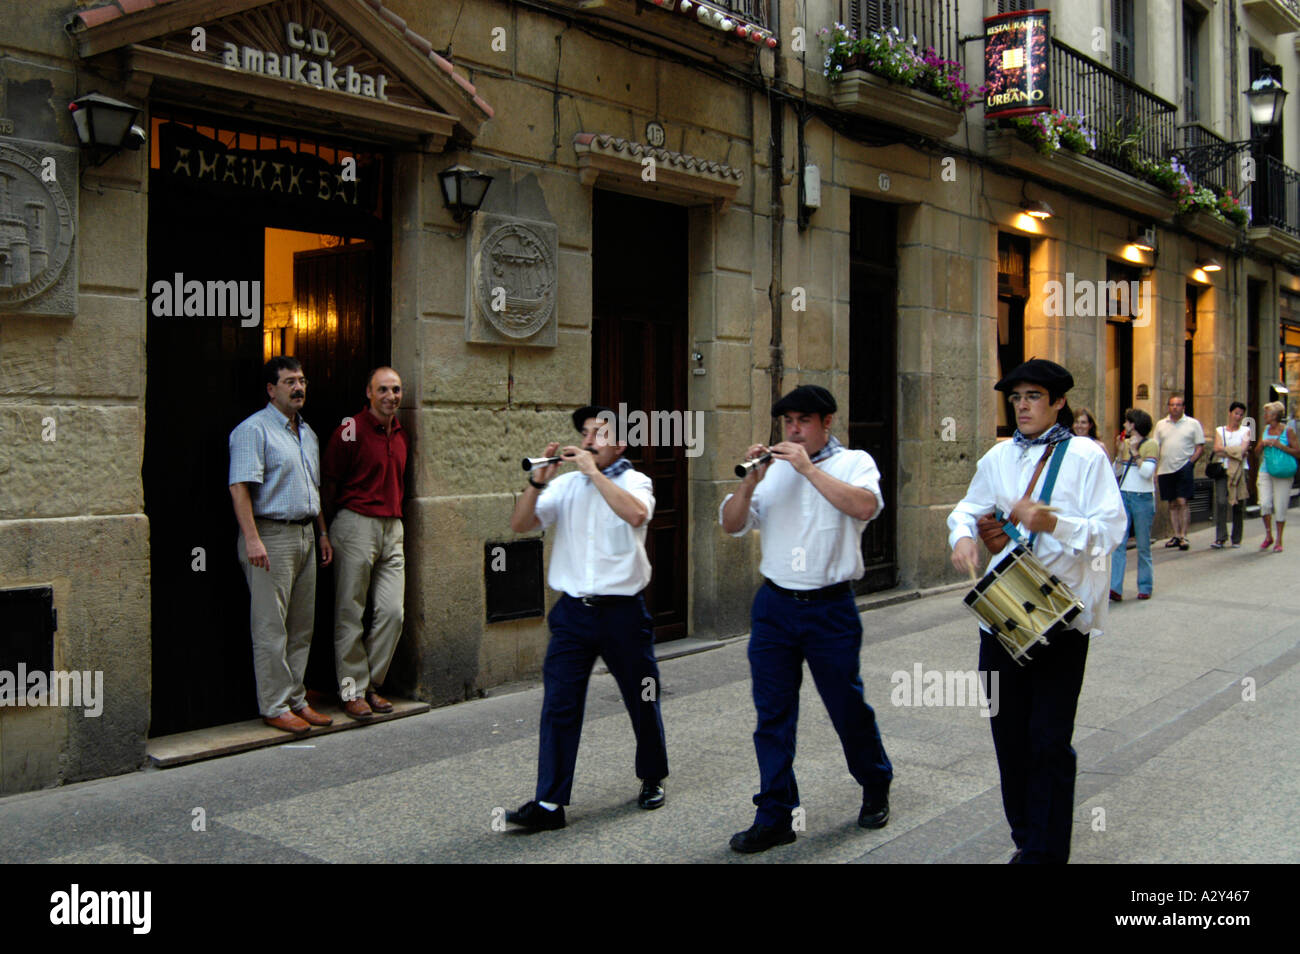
282,176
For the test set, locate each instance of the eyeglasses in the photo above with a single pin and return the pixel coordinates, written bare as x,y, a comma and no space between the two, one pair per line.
1029,397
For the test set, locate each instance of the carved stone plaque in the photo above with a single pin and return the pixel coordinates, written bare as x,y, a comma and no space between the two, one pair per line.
38,217
512,281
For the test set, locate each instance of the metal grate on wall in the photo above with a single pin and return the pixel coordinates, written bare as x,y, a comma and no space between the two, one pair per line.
512,577
27,624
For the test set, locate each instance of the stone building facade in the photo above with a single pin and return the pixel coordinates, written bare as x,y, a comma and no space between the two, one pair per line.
684,219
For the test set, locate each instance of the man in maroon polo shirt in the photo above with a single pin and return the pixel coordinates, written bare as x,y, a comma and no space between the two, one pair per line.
364,467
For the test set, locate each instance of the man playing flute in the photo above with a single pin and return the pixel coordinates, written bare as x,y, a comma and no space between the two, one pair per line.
600,567
811,503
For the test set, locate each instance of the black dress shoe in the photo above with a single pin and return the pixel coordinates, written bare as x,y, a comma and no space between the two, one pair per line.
761,837
533,816
875,812
652,794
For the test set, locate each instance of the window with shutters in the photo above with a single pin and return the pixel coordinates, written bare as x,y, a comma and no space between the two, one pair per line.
873,16
1123,40
1015,6
1191,64
932,22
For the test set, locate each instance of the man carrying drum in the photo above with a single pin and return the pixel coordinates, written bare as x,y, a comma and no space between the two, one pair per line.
1073,538
811,509
599,565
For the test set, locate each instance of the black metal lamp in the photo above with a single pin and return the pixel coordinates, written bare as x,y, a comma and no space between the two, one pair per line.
1265,97
105,126
463,190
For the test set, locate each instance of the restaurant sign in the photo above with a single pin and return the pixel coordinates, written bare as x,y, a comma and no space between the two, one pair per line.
1016,76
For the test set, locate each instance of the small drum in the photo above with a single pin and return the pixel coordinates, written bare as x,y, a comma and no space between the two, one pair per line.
1022,603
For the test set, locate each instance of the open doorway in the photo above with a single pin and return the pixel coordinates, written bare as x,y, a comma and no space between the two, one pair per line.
314,282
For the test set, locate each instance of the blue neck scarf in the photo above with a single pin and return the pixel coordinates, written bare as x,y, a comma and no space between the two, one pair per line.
1052,435
833,446
616,468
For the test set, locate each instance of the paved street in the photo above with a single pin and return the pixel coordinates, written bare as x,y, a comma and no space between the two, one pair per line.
1175,766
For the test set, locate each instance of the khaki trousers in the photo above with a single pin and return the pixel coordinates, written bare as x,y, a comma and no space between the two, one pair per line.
282,612
368,561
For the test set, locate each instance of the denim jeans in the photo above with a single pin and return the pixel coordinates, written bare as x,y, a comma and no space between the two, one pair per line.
1141,510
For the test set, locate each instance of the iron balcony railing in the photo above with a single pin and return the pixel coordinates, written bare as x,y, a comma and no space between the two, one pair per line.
1275,196
751,11
932,22
1222,174
1130,122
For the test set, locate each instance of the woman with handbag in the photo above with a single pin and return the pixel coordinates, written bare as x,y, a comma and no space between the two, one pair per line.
1228,470
1279,451
1136,457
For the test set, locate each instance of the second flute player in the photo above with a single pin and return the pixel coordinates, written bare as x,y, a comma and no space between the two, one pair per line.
599,565
811,503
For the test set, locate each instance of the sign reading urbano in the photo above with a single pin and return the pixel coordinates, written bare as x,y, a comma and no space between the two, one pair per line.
1016,64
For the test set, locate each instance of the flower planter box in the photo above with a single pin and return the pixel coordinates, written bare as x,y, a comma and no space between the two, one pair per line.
1212,229
1083,174
866,94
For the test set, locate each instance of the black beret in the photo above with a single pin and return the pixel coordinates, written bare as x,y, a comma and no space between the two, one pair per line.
584,414
808,398
1038,371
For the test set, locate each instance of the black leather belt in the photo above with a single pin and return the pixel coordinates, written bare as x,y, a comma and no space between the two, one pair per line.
825,593
292,523
602,600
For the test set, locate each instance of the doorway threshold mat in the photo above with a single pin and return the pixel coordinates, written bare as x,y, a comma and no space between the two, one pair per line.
184,747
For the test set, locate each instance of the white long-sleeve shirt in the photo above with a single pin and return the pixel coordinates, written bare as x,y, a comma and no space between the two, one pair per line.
1090,522
807,542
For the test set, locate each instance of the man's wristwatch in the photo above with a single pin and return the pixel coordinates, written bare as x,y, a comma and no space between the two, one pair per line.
534,483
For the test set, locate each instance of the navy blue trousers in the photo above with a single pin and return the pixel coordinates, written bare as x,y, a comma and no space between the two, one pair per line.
828,634
620,634
1031,734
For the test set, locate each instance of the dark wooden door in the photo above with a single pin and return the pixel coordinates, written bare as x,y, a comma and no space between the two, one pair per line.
204,376
873,375
639,357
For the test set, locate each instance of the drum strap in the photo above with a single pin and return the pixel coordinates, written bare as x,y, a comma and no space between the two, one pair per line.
1046,496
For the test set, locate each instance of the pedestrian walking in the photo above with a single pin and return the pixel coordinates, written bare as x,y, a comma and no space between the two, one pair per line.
1279,449
1071,537
1182,441
811,502
1228,470
1136,457
599,565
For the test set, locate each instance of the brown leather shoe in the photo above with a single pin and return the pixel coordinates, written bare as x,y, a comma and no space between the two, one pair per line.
308,714
378,702
358,709
289,723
